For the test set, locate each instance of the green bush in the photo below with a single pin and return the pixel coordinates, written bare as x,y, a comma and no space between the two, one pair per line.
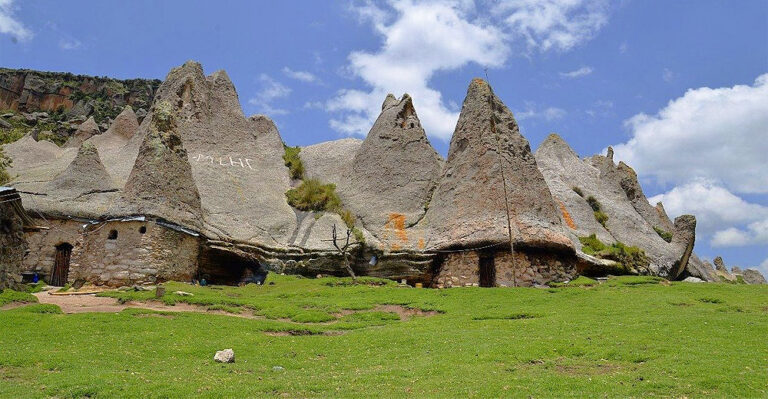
594,203
57,139
312,195
633,259
293,161
601,217
665,235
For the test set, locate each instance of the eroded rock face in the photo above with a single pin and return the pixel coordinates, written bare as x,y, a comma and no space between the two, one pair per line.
86,174
86,130
11,239
161,183
393,173
630,218
753,276
468,207
329,161
240,177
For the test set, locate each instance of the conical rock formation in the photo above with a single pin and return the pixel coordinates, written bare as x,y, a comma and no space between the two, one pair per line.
161,182
86,130
240,177
86,174
468,208
393,173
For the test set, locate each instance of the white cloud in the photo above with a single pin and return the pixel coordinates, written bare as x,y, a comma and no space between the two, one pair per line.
720,214
70,44
623,48
764,267
549,113
271,90
425,37
717,134
554,24
10,25
583,71
303,76
667,75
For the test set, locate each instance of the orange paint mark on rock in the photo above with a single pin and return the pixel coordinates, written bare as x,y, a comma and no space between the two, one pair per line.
567,216
398,225
421,243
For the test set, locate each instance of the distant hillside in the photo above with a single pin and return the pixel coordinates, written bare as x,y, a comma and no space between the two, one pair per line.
56,103
28,91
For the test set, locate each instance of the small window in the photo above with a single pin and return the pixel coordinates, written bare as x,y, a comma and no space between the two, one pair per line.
112,235
142,229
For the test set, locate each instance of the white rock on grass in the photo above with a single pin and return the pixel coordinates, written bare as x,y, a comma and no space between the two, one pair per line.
225,356
693,280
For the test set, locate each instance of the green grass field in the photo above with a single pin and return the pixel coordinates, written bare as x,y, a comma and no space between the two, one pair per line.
629,337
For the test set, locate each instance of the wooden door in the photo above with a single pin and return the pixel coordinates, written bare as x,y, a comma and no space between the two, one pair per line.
487,270
61,265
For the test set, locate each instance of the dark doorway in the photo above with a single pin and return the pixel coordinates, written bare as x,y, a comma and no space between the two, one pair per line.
487,271
61,265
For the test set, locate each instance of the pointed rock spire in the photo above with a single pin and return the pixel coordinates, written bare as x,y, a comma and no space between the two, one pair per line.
86,130
161,182
85,174
125,124
470,206
393,172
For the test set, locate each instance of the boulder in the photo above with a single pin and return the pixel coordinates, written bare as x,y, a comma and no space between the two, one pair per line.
225,356
692,279
753,276
720,265
470,207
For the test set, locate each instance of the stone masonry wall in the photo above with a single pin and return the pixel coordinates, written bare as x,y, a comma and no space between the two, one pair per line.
531,268
42,244
12,246
157,254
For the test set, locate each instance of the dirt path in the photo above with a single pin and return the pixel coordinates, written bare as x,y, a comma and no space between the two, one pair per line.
92,303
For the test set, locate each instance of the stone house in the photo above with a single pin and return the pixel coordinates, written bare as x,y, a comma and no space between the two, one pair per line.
115,252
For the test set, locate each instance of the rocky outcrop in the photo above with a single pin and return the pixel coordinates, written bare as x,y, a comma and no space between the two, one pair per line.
487,156
240,177
595,185
86,130
329,161
161,182
78,95
393,173
753,276
85,175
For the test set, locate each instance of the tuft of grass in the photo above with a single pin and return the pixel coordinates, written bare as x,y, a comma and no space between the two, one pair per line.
633,259
293,161
601,217
40,308
513,316
711,300
578,191
11,296
665,235
312,195
594,203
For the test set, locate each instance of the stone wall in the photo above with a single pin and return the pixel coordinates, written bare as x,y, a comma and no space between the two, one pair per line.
42,244
531,267
141,252
12,246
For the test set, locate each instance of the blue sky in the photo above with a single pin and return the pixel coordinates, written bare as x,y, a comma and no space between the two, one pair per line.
677,87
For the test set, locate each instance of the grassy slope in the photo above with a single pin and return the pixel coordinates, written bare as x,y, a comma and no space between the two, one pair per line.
612,340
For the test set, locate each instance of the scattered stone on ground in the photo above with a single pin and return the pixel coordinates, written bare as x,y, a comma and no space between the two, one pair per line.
225,356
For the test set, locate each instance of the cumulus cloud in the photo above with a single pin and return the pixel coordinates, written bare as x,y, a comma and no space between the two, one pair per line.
554,24
725,217
718,134
10,25
764,267
303,76
583,71
271,90
425,37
